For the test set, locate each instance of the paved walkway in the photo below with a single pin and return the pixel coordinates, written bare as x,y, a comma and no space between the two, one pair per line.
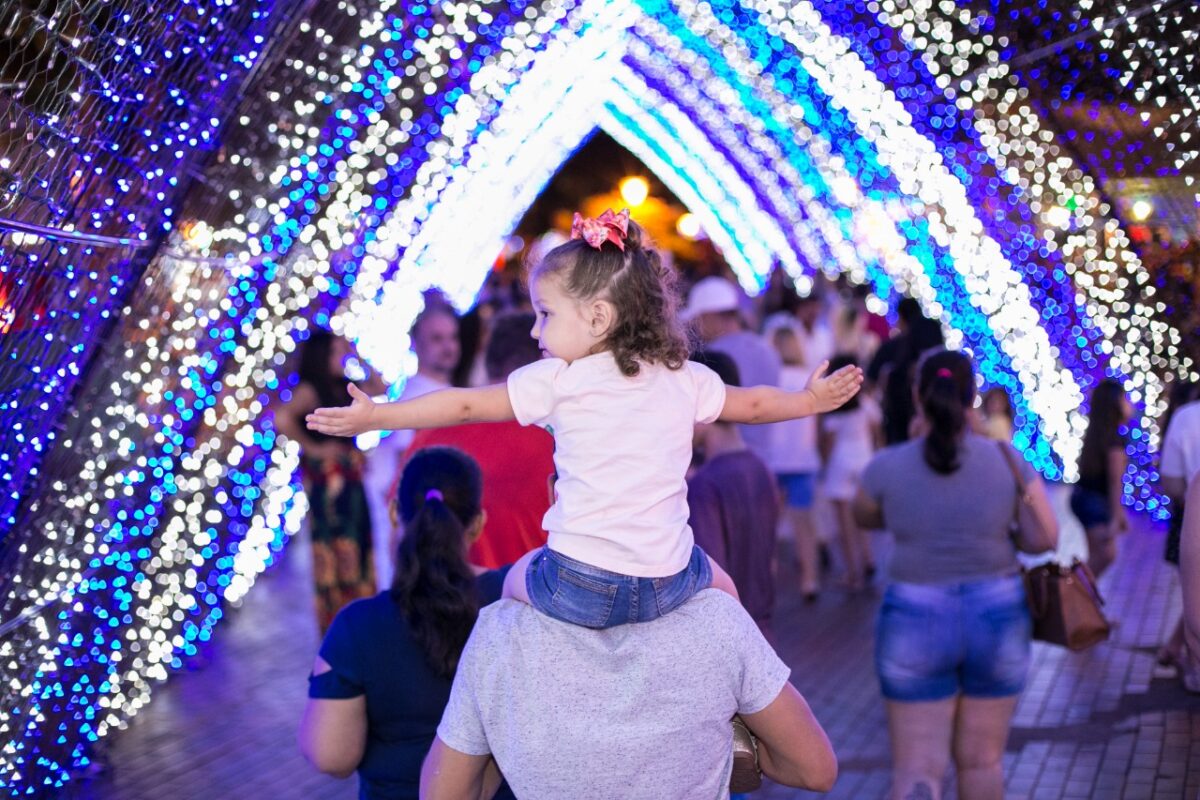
1101,724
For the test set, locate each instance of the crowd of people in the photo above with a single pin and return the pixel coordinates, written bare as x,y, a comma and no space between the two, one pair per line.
590,505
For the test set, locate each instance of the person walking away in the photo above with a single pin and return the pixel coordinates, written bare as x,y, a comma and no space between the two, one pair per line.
1179,464
796,461
1097,499
952,639
733,507
714,310
382,679
847,440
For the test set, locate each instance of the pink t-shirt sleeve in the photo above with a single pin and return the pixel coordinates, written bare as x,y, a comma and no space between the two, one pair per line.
531,390
710,392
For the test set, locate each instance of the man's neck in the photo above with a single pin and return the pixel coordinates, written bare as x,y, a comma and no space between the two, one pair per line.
720,439
437,377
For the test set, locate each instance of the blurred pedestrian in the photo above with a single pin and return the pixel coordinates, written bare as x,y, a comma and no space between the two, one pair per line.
847,441
953,636
340,521
733,506
1180,463
517,461
796,461
434,336
1097,499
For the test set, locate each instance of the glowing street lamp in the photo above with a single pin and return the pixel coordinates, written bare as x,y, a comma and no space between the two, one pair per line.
634,191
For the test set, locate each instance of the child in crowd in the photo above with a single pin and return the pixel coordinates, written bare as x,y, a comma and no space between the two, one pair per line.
796,461
847,438
997,415
620,397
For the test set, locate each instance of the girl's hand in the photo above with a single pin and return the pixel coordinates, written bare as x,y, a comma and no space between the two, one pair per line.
831,392
348,420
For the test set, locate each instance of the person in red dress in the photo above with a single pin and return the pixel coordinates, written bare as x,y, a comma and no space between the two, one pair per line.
517,461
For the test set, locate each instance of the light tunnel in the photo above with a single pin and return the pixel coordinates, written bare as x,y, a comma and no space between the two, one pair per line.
796,135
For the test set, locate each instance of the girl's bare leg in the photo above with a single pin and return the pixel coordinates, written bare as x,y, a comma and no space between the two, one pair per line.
514,581
721,580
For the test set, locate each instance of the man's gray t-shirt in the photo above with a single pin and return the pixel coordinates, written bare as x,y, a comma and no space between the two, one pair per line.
635,711
947,527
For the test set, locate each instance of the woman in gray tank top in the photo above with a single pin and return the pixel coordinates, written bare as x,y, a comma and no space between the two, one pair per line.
952,639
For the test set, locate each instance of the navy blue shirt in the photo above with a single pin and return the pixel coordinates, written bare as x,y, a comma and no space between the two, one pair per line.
372,652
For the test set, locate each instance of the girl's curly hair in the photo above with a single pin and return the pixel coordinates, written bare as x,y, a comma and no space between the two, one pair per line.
642,289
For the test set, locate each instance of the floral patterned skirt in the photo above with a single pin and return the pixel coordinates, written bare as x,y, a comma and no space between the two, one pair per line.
340,529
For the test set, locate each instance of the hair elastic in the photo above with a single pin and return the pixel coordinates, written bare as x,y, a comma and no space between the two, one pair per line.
945,373
434,494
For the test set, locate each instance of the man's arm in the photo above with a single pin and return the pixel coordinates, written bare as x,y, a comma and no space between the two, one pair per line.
792,747
450,775
433,410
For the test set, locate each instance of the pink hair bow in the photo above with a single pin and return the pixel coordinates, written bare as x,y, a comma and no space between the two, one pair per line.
608,227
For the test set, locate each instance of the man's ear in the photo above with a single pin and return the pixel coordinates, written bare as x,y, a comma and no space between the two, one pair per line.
602,317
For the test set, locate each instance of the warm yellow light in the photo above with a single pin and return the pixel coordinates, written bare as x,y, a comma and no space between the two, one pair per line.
688,226
1142,209
634,191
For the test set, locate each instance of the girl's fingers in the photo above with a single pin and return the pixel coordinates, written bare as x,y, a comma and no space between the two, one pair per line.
357,393
819,371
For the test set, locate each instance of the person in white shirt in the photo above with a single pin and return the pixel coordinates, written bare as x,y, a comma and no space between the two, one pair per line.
847,439
620,398
795,460
434,338
1178,466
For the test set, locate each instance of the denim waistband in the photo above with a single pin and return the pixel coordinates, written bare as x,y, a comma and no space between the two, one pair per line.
992,586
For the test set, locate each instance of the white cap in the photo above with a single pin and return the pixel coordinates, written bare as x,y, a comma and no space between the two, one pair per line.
711,296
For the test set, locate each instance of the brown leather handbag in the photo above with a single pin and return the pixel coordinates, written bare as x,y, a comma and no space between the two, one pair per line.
1066,606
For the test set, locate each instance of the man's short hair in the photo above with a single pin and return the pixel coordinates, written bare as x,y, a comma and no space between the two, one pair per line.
433,306
720,363
510,346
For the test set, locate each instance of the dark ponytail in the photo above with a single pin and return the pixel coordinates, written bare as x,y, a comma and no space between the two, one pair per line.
439,498
946,388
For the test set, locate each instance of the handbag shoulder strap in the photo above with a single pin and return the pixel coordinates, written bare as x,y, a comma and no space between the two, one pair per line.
1013,468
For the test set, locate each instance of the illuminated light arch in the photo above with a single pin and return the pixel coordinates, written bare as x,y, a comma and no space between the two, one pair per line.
818,162
836,178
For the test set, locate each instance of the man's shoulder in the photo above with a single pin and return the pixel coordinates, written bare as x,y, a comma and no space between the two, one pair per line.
1188,418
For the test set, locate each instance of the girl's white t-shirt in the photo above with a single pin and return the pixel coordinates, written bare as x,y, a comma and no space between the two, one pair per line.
622,447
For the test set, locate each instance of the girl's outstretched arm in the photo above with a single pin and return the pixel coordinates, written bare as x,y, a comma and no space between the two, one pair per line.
761,404
433,410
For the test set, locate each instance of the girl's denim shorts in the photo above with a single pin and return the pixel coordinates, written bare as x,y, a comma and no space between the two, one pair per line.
578,593
934,641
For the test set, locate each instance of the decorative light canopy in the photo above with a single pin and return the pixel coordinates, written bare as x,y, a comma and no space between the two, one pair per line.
384,148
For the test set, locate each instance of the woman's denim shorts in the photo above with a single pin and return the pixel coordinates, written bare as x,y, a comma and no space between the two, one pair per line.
797,488
1090,507
934,641
578,593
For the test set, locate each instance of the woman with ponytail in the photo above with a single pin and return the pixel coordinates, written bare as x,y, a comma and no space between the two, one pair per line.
382,679
952,639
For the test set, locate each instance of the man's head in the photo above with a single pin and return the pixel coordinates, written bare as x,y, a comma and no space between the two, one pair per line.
727,370
713,307
808,309
435,341
510,346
